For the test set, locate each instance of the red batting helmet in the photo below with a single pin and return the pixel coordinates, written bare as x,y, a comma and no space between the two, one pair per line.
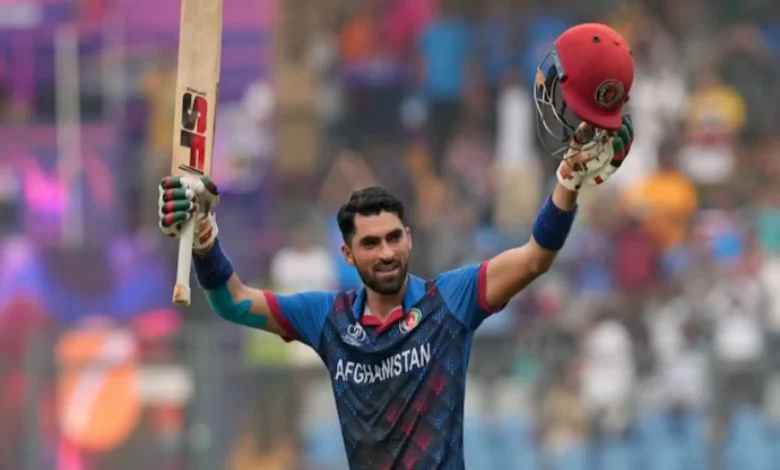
586,77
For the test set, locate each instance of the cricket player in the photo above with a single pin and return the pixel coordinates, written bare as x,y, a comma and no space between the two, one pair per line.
397,349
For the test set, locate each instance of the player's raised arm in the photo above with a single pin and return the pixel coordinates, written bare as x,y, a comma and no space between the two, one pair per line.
475,292
299,316
511,271
580,90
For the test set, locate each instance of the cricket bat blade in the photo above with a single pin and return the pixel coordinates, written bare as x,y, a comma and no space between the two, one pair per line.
197,87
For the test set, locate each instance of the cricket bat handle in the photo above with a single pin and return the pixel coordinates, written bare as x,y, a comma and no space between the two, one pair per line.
181,291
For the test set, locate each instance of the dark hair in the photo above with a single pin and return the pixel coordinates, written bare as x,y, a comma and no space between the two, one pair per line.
368,201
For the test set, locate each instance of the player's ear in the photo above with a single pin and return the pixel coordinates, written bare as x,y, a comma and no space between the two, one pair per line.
347,254
409,236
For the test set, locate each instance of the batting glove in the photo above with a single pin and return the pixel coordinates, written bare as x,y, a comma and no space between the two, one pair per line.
595,162
184,197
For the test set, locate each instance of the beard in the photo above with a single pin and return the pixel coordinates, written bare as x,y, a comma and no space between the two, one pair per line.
385,285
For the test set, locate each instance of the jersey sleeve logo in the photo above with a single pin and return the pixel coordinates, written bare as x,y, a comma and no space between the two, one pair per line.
410,321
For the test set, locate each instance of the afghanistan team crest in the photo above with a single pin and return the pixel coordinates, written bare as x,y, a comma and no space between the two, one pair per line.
609,94
410,321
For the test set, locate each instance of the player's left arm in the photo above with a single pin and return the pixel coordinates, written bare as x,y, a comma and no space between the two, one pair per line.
511,271
475,292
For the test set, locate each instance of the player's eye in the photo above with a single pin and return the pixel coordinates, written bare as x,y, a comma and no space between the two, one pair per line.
395,237
369,242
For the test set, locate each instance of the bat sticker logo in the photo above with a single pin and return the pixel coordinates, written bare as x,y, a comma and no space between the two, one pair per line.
194,119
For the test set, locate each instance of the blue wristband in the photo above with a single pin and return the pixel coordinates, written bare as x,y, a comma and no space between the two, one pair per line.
213,269
552,226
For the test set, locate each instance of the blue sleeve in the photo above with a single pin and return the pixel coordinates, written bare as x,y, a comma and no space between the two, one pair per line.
301,316
463,290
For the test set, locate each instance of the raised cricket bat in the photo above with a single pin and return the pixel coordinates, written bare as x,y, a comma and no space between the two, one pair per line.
197,83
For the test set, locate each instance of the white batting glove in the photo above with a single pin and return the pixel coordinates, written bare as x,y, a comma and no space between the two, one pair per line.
595,161
180,199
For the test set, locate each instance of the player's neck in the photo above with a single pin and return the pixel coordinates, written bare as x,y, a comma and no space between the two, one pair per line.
381,305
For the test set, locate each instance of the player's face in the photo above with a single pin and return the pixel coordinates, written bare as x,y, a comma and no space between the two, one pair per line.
380,251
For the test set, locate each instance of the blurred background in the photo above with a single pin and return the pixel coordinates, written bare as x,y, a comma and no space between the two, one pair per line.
652,344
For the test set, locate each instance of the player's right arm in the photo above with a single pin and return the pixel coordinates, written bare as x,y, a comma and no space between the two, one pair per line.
299,316
244,305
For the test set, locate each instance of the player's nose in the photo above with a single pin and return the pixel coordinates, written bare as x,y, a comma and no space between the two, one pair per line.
387,253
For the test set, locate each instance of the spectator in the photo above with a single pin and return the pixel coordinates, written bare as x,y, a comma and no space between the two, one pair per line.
749,65
635,261
681,361
768,239
453,230
564,417
469,167
5,93
715,116
373,64
593,251
608,375
518,173
716,111
158,85
665,200
499,47
737,305
446,49
302,265
655,115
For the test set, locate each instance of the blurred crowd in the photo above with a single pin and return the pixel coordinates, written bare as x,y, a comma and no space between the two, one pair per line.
661,316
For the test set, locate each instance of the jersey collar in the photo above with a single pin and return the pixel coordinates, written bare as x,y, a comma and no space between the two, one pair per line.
415,290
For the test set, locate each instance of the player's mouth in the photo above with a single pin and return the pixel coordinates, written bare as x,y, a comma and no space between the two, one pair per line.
387,269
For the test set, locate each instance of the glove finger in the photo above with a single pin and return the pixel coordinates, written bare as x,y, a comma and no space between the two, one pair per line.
578,160
629,125
599,156
624,135
172,182
209,185
602,176
178,206
199,187
174,218
608,171
619,150
177,194
621,145
205,191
